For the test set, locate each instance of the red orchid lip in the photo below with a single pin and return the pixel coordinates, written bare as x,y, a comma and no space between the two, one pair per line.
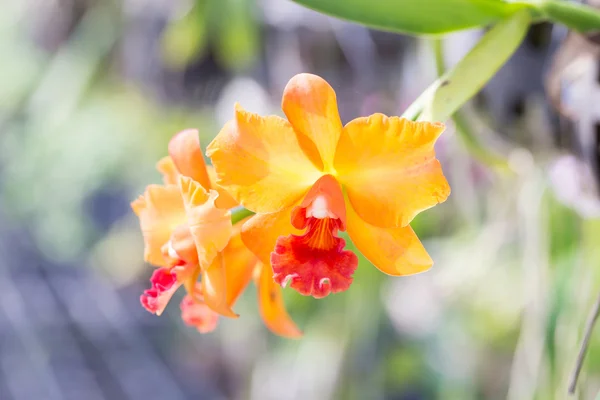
315,263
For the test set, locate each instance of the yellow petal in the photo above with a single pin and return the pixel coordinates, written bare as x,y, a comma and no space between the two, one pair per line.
167,168
185,151
262,162
272,308
210,226
160,210
239,266
389,169
261,231
214,287
310,104
224,200
394,251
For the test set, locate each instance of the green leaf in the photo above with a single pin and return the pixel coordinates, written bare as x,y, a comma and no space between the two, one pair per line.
418,16
183,40
576,16
447,94
235,32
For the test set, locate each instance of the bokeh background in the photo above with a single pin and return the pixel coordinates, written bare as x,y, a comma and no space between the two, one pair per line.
90,94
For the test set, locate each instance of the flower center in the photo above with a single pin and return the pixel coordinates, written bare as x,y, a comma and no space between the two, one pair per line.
320,233
316,263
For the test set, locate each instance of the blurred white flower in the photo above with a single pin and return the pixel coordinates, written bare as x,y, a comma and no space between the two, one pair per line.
413,305
574,185
248,93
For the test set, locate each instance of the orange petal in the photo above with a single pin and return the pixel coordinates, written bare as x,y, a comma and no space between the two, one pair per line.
239,265
214,287
184,245
210,226
262,162
261,231
185,151
167,168
394,251
160,210
272,308
310,104
224,200
389,169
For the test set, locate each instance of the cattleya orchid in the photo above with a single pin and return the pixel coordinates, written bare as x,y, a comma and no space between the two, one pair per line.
309,177
188,233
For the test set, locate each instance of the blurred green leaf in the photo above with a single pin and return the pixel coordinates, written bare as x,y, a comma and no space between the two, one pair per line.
447,94
418,16
184,39
238,42
235,32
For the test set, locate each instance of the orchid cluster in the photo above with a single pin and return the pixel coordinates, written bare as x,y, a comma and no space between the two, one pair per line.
302,180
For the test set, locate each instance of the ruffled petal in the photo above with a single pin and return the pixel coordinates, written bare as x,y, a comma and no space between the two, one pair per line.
389,169
160,210
261,231
224,200
310,104
310,271
394,251
168,170
262,162
214,287
164,285
185,151
272,307
209,226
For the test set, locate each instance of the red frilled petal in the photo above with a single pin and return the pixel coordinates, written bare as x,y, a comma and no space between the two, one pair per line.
196,313
164,284
312,271
315,263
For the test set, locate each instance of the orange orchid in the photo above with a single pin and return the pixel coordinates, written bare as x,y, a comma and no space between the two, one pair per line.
308,177
188,233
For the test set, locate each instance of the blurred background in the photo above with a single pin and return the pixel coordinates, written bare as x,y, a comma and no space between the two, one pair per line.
90,94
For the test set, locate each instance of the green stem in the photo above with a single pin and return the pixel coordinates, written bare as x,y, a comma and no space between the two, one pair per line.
448,93
589,328
437,44
576,16
239,213
414,110
463,129
465,132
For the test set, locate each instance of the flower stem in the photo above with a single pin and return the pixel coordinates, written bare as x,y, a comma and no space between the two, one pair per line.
464,130
589,327
576,16
448,93
239,213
